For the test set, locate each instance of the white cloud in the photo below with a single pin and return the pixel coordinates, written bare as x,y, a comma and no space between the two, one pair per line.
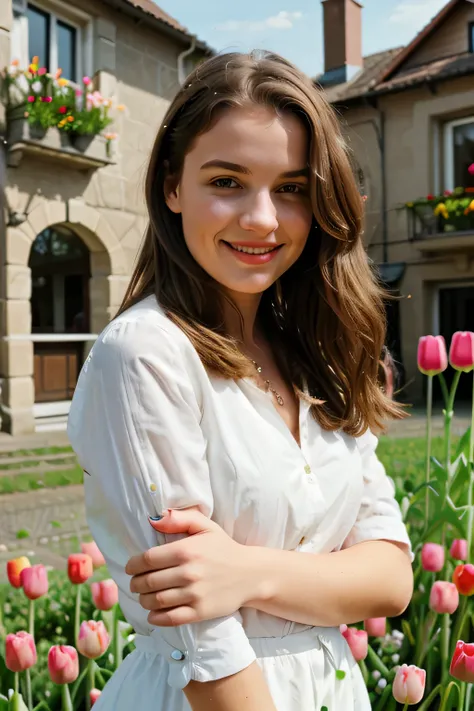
284,20
416,12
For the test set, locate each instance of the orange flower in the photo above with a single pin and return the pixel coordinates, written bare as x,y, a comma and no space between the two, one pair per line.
70,119
35,59
120,107
58,73
15,62
14,568
110,136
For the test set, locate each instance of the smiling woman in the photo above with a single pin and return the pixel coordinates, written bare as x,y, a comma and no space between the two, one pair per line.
225,411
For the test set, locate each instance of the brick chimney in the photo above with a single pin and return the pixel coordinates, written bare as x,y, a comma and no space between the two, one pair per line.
342,40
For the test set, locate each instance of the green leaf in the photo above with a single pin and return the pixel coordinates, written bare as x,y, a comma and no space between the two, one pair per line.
407,632
56,524
340,674
22,533
42,706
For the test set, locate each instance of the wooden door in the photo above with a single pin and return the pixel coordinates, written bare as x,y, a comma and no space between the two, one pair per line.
56,369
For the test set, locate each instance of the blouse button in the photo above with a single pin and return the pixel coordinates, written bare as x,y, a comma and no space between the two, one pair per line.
177,655
307,469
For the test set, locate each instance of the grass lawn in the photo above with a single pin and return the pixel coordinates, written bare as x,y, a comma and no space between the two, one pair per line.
65,473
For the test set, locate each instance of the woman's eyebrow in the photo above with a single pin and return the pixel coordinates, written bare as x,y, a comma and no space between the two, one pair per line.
236,168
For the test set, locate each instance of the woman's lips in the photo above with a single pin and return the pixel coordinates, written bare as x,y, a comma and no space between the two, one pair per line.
252,257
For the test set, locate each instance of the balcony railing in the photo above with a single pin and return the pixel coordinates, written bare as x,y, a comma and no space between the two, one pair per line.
448,215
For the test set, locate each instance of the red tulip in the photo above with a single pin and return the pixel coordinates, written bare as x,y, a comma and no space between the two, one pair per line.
376,626
104,594
14,568
463,578
63,664
92,549
461,354
79,568
459,549
93,639
444,597
409,684
432,557
357,640
432,355
94,695
20,651
430,197
462,664
34,581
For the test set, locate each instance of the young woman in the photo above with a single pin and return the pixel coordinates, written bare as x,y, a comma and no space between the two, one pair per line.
237,388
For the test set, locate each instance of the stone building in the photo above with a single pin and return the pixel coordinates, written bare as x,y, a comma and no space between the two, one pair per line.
73,219
409,117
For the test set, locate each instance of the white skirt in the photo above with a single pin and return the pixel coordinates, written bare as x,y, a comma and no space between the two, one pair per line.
300,670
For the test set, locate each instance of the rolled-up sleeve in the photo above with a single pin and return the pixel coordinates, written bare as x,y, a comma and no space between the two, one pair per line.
135,426
379,516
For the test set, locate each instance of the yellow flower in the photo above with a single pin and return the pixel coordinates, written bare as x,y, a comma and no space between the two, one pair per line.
471,206
33,68
62,123
63,82
409,204
440,209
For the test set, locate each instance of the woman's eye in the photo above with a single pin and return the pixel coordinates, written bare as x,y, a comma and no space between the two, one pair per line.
225,183
292,188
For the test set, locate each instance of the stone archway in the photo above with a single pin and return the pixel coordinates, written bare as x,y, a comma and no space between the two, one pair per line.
108,279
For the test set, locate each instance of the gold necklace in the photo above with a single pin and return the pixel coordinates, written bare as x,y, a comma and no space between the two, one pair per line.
270,387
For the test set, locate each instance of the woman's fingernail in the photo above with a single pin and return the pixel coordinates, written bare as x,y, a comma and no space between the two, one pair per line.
155,518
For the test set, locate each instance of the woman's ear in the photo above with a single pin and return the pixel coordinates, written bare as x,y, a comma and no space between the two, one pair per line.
171,190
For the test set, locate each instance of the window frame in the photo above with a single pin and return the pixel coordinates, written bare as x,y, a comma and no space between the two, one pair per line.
74,18
448,172
471,37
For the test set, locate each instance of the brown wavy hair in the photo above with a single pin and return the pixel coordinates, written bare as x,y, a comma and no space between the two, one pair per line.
325,318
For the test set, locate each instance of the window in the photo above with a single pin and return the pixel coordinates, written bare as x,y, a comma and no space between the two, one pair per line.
458,153
59,41
471,36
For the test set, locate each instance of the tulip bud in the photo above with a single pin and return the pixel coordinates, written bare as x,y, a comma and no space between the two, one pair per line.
63,664
79,568
94,695
14,568
459,549
104,594
34,581
409,684
358,642
92,549
432,355
444,598
20,651
93,639
376,626
463,578
462,664
461,354
432,557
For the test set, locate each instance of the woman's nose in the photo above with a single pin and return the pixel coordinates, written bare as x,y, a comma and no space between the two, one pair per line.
259,214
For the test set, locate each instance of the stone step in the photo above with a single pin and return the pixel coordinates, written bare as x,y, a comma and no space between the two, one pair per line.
38,458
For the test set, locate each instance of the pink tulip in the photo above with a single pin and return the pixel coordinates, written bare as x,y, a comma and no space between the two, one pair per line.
463,578
432,557
93,639
461,354
459,549
94,695
42,71
20,651
63,664
31,99
470,170
86,81
409,684
92,549
444,597
462,664
79,568
357,640
432,355
376,626
34,581
104,594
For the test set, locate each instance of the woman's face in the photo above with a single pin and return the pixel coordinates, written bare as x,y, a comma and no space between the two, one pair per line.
244,198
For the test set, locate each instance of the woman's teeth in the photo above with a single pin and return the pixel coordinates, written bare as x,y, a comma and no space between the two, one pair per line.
252,250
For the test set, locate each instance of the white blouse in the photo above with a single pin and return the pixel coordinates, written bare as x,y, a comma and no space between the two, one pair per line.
153,431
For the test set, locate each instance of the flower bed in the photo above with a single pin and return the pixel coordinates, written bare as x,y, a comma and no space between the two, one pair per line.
423,659
441,214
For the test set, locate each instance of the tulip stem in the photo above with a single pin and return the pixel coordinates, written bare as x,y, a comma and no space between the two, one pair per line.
470,492
31,618
429,417
468,696
445,635
405,708
91,682
460,620
66,697
77,616
117,640
16,683
29,693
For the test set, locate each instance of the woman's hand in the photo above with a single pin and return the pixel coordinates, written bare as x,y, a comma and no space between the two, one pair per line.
201,577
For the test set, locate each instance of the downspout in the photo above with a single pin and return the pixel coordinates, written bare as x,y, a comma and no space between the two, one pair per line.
181,57
383,170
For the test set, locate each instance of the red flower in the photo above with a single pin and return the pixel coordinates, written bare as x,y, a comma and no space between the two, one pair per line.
462,664
463,578
470,170
79,568
430,197
46,99
62,109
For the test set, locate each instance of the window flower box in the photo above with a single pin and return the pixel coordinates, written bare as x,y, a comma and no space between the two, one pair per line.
442,215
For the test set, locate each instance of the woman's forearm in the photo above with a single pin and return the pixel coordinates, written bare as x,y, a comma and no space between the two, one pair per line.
245,691
372,579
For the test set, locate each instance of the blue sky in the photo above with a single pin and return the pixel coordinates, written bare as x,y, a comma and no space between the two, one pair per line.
294,27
